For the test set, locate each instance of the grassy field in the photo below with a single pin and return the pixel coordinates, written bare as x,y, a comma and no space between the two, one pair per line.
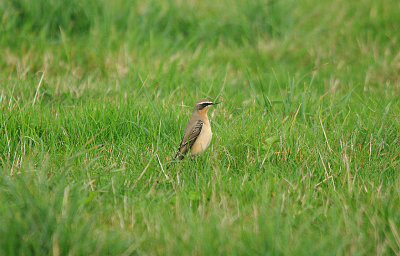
95,96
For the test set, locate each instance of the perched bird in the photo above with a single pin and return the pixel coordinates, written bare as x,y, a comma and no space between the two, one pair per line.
198,133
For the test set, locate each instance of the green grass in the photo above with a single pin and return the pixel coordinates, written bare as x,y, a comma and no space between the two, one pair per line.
95,96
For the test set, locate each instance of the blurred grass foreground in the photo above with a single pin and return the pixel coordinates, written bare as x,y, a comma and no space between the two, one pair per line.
94,97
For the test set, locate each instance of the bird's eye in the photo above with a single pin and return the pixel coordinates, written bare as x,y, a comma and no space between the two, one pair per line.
204,104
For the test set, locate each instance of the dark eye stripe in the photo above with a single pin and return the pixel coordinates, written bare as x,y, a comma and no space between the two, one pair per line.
204,104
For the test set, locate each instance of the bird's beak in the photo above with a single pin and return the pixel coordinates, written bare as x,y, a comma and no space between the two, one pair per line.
215,103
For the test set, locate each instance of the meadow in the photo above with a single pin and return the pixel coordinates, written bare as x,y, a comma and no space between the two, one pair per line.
95,96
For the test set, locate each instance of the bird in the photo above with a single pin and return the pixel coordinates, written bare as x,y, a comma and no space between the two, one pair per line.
198,134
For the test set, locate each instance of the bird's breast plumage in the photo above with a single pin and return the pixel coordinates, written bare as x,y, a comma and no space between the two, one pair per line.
203,141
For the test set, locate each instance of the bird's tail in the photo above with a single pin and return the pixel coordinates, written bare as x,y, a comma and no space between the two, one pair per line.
178,156
170,164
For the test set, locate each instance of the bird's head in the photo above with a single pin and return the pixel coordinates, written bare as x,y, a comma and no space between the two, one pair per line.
202,105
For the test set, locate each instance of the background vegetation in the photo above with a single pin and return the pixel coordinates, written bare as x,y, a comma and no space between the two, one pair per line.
94,97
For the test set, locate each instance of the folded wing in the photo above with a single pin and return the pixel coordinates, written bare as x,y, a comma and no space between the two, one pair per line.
188,139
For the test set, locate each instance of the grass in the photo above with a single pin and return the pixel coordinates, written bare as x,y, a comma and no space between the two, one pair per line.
95,95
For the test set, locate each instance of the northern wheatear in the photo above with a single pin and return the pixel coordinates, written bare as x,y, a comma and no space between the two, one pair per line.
198,133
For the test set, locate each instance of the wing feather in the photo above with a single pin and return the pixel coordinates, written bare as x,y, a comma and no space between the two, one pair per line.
189,139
